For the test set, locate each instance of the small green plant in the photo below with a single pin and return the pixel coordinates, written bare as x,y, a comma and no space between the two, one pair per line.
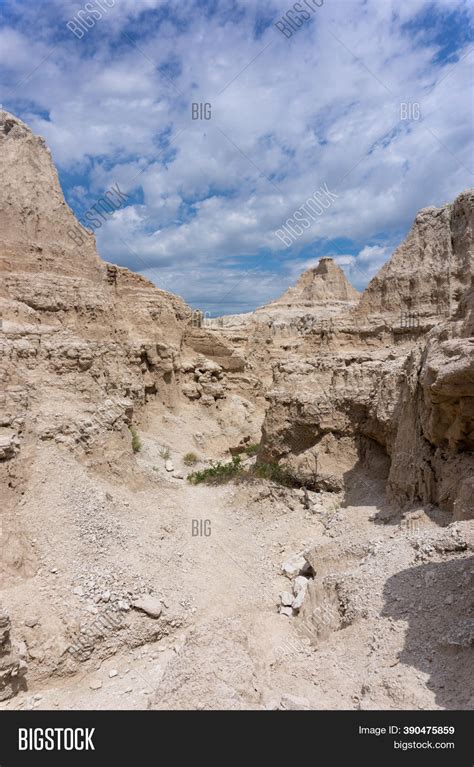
274,473
136,441
165,453
217,473
252,449
190,459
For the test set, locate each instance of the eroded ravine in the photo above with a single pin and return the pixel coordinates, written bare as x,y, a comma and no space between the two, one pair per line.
365,404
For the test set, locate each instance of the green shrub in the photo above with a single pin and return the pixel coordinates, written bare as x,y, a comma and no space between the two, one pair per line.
136,442
225,472
274,473
217,473
190,459
165,453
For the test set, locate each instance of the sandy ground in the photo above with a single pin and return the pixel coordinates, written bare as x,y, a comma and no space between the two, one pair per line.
399,640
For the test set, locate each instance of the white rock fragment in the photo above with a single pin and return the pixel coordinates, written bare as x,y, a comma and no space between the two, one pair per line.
286,611
149,605
293,566
300,583
300,587
286,598
169,465
298,600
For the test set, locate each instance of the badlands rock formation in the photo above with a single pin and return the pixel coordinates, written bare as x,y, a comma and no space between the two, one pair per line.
383,390
432,268
248,595
84,346
325,284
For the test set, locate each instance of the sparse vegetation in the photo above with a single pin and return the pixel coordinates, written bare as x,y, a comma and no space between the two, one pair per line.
136,441
190,459
165,453
217,473
275,473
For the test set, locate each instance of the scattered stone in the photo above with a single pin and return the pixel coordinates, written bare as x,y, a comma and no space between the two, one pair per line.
286,598
113,672
300,583
298,600
149,605
178,475
286,611
96,684
169,465
293,566
31,622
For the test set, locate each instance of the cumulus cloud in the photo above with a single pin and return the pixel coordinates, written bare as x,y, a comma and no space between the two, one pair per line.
287,116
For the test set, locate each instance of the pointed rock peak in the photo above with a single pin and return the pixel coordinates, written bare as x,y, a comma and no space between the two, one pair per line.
320,284
39,230
325,265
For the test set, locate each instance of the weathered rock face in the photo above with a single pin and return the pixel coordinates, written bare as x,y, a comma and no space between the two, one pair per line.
322,284
34,218
399,401
429,272
326,414
85,346
433,456
82,343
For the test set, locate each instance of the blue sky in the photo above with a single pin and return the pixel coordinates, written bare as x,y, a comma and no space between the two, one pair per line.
288,116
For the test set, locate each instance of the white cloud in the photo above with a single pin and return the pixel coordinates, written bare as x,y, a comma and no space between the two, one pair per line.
310,110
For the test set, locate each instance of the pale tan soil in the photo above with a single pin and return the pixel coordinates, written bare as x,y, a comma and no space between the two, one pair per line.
229,647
